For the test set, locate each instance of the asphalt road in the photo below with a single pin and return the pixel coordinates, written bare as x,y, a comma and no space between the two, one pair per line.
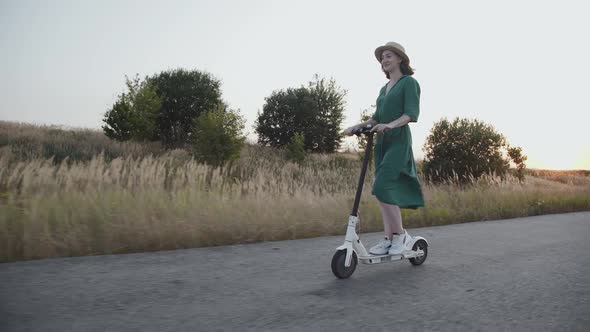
530,274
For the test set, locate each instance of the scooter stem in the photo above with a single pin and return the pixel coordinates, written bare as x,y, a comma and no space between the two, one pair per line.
359,189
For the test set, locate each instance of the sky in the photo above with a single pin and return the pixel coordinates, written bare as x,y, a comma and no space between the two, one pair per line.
520,66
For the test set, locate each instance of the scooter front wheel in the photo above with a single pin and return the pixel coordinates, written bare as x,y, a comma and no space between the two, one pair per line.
338,267
420,245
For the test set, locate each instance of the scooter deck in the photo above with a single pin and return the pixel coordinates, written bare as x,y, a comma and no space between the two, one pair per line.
376,259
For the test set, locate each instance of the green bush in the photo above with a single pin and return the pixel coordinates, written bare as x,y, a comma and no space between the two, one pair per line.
163,107
217,136
315,110
464,150
186,94
296,148
517,156
133,116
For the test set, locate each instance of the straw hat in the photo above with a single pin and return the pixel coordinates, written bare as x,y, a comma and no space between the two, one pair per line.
394,47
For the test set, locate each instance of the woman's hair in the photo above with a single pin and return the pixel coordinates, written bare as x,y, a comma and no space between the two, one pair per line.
404,66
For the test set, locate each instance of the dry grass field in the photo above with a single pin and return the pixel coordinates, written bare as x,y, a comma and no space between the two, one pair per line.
74,192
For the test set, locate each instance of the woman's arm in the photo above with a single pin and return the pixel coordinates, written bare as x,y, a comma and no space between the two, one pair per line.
348,131
364,124
399,122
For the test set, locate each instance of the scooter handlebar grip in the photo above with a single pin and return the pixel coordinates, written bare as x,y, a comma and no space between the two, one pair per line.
363,130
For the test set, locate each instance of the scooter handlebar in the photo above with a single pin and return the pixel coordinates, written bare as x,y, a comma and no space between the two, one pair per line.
363,130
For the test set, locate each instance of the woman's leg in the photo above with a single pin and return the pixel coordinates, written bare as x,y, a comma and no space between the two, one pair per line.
392,223
386,220
392,219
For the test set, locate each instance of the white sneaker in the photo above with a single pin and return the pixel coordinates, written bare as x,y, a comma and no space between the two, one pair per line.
399,243
381,248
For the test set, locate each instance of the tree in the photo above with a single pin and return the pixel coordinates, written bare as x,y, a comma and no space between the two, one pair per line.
217,136
464,149
119,121
362,139
329,99
185,96
316,111
133,115
365,116
518,158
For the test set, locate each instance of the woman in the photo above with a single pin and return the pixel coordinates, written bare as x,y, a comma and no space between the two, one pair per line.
396,183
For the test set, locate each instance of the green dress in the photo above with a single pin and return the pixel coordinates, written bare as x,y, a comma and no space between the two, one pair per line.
396,181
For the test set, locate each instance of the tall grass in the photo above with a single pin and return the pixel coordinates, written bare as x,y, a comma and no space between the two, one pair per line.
27,141
134,200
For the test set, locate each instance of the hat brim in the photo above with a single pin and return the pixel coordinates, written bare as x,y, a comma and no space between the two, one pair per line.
379,51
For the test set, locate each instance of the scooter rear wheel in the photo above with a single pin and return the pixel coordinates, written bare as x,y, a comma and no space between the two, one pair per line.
338,267
419,245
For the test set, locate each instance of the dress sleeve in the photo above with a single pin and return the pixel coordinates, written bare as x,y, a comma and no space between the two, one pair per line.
412,99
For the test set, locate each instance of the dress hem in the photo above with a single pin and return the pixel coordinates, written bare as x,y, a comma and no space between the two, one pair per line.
401,206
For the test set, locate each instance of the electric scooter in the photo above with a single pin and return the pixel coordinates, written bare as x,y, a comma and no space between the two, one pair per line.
346,258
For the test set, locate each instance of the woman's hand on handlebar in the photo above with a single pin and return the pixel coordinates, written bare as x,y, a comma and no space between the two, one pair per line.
381,128
349,131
